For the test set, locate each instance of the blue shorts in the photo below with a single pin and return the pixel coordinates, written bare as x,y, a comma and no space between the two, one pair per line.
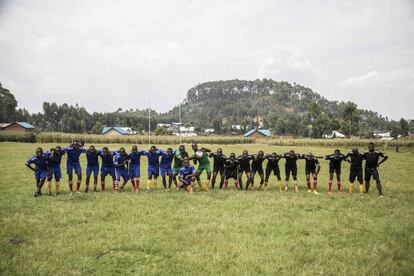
107,170
121,172
153,171
92,169
166,171
134,171
70,167
55,172
40,174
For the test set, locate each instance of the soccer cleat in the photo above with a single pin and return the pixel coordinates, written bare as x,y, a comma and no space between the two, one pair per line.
147,190
309,191
315,192
35,194
78,192
71,193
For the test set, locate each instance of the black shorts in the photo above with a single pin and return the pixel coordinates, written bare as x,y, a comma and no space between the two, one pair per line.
244,170
231,174
334,170
218,170
258,170
372,172
275,171
356,175
310,171
291,170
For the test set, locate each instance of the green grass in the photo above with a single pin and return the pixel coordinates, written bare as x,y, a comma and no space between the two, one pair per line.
227,232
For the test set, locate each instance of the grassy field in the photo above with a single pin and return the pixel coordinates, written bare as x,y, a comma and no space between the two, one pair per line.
221,232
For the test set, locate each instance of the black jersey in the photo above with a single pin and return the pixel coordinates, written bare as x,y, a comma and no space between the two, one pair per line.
244,162
231,165
311,163
291,159
218,160
356,160
257,161
335,161
273,162
372,159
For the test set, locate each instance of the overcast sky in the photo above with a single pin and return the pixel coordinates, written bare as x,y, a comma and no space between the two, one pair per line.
109,54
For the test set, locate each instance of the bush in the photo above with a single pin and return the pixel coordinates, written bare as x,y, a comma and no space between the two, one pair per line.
25,137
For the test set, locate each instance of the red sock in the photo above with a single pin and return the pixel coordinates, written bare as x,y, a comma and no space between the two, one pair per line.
137,184
103,187
236,183
315,184
330,186
339,186
78,186
226,184
308,182
116,185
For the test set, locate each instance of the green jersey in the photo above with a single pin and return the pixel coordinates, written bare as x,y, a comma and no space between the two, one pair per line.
178,163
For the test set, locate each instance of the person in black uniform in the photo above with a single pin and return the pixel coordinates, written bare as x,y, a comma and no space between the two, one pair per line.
244,167
218,166
257,167
291,167
230,171
335,163
273,166
372,162
312,167
355,158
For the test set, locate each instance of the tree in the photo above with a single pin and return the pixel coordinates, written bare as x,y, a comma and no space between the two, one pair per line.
8,105
350,119
404,127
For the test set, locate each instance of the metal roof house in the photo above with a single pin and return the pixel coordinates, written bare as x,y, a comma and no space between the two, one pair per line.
17,126
258,133
115,131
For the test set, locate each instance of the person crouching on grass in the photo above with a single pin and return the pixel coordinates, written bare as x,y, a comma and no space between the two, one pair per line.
186,177
40,170
54,156
92,166
153,156
135,166
121,168
72,164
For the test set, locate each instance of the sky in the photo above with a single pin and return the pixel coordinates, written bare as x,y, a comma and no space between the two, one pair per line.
106,55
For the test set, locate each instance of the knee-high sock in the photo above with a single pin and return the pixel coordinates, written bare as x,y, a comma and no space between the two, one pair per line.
116,183
330,185
226,184
236,183
78,184
57,187
103,186
315,184
351,187
361,188
155,183
137,184
49,186
308,183
148,184
207,184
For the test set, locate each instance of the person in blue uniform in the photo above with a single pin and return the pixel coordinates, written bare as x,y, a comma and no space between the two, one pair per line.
40,170
121,168
107,167
54,160
92,167
167,158
153,155
135,166
73,153
186,177
372,163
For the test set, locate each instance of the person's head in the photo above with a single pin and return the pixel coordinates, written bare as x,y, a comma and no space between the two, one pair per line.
260,153
186,163
134,148
181,148
232,156
39,152
122,151
355,150
219,151
274,155
194,146
58,148
153,149
337,152
292,153
245,153
310,154
75,144
170,151
105,150
371,147
92,148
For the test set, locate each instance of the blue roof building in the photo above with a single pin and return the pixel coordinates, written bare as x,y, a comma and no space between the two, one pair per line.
258,133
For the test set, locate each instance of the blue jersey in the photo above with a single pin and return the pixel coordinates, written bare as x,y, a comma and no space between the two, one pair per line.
166,160
119,159
40,162
92,158
74,154
107,159
153,158
135,157
186,172
54,158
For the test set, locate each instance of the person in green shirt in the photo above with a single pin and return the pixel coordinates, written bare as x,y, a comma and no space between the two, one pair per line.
200,156
179,157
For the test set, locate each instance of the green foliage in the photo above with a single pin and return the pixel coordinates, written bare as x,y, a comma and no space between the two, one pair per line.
24,137
8,105
216,233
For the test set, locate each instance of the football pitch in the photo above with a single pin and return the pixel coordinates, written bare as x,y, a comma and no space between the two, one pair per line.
218,232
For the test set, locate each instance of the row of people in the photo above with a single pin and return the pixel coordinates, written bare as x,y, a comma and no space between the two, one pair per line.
174,166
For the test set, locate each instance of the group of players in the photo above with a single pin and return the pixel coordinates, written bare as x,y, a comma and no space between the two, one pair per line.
174,166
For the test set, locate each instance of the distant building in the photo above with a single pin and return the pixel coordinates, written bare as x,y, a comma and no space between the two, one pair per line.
335,134
185,131
382,135
17,127
115,131
258,133
209,131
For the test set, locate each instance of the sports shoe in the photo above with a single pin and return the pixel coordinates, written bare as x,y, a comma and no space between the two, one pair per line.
78,192
49,193
71,193
309,191
147,190
315,192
